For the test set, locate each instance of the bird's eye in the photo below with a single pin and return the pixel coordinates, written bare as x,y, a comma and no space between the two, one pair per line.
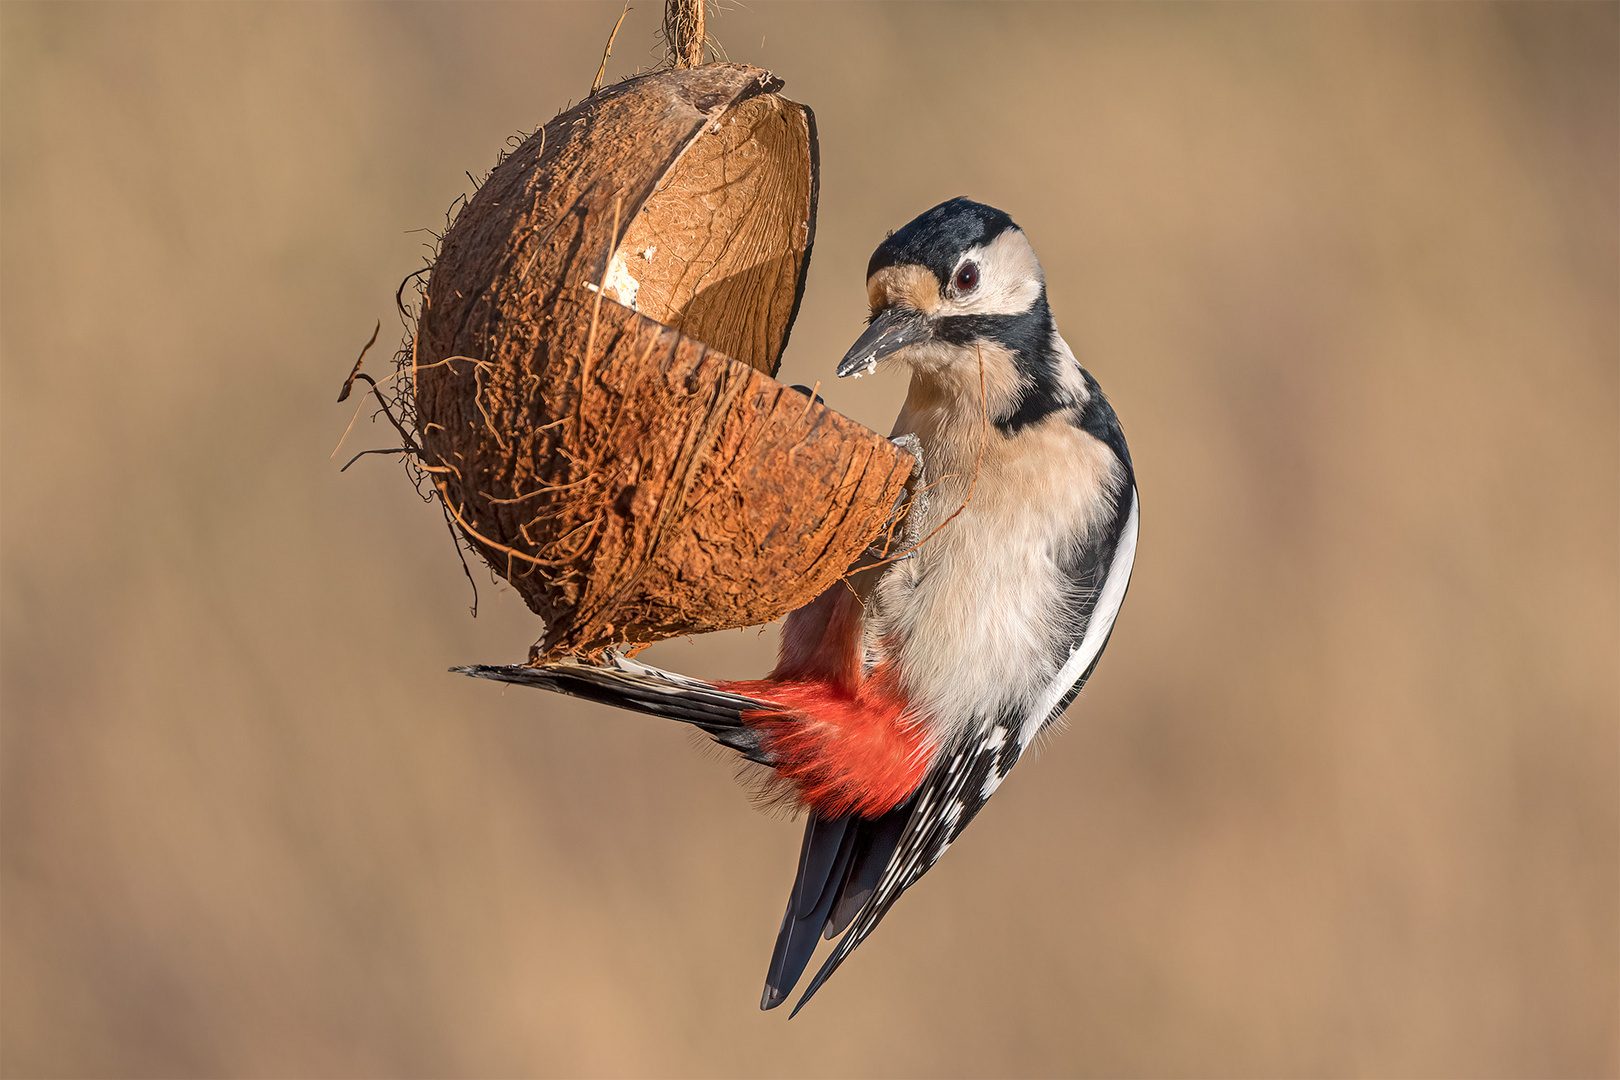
967,277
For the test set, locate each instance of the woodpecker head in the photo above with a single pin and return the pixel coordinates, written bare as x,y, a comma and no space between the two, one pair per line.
959,292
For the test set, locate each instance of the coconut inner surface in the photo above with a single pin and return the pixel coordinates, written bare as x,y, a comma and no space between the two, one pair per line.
716,251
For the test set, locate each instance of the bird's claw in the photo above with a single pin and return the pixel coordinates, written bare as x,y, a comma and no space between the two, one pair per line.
910,508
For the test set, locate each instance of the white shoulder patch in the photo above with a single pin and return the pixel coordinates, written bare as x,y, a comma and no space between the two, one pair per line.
1097,630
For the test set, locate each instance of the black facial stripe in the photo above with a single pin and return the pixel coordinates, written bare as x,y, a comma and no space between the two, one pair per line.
937,238
1028,336
1008,330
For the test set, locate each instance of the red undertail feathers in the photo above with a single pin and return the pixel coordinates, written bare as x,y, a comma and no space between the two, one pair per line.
843,753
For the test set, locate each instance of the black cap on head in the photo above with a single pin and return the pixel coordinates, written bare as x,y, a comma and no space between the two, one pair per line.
936,238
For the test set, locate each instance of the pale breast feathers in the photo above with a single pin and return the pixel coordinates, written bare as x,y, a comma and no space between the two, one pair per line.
981,618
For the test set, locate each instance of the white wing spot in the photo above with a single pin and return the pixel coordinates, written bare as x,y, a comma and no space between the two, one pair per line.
992,781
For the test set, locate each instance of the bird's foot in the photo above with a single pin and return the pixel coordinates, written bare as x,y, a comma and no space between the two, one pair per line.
904,529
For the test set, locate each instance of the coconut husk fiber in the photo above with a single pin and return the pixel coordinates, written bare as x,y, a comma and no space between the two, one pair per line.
593,361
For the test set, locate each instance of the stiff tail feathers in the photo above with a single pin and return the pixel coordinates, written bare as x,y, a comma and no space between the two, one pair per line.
840,863
823,860
627,684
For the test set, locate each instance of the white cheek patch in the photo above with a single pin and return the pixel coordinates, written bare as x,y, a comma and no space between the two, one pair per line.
1010,278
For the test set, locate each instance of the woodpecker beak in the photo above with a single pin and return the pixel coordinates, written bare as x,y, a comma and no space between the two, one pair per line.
894,329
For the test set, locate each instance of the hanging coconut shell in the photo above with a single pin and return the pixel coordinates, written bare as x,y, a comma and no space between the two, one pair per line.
593,362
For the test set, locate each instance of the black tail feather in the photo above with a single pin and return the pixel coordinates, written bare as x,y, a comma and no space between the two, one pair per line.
626,684
839,867
823,861
873,848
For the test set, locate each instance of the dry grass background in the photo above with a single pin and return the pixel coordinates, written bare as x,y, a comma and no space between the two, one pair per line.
1341,800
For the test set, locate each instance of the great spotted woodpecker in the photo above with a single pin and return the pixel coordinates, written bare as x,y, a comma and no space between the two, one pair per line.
902,699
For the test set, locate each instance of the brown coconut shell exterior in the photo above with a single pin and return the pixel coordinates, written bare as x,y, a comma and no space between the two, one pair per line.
633,477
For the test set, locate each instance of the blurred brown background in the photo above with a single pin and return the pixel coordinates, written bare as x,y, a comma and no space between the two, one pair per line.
1341,800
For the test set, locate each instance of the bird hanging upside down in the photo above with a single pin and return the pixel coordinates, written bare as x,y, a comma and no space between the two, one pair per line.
903,698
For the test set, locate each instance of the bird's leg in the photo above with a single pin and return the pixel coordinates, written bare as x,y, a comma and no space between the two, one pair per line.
916,488
910,506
